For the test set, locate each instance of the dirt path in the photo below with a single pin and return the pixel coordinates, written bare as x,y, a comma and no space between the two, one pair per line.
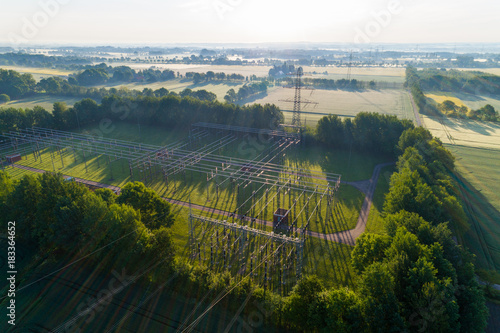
345,237
415,111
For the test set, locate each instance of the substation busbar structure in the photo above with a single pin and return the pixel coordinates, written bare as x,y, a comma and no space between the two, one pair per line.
264,184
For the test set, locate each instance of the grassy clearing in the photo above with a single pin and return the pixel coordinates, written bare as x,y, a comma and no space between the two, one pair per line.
375,223
343,103
47,102
471,101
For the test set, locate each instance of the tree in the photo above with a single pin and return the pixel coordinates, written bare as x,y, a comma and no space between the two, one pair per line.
379,304
4,98
369,249
336,310
296,305
409,192
155,212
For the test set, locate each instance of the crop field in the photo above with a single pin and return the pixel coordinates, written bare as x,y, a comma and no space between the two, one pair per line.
342,103
38,72
464,132
47,102
377,74
476,146
473,102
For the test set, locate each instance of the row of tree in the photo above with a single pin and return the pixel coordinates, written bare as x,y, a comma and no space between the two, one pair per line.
213,76
169,111
246,91
471,82
367,131
413,84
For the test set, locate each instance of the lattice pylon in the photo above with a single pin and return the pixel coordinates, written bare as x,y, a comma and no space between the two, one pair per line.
296,120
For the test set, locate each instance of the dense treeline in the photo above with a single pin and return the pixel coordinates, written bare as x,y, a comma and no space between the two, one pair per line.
102,73
213,76
368,131
471,82
64,218
168,111
413,84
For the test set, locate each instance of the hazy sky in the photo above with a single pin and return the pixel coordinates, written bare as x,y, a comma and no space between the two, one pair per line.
228,21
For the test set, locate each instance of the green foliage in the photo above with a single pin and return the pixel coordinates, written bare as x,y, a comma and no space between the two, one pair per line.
409,192
296,305
107,195
155,212
369,248
369,131
4,98
380,306
336,310
16,85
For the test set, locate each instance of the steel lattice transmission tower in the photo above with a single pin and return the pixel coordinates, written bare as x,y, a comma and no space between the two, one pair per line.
296,120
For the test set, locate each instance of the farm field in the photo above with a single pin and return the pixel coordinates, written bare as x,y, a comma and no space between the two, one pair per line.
476,146
464,132
342,103
47,102
473,102
378,74
38,72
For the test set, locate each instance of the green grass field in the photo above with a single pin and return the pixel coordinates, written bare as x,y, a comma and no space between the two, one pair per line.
343,103
47,102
